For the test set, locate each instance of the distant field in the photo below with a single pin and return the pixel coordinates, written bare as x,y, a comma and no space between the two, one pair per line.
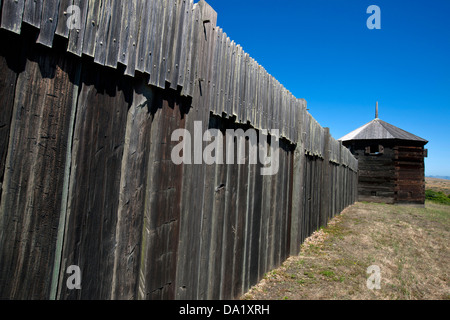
438,185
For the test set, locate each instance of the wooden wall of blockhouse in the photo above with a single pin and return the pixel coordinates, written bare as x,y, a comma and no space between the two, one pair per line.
87,180
410,173
377,175
395,176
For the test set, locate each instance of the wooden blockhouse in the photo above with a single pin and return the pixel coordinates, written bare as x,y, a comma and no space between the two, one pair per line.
391,163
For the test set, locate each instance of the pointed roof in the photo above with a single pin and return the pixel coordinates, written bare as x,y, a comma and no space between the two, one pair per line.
378,129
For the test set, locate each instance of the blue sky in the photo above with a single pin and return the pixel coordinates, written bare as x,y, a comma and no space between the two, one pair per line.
322,51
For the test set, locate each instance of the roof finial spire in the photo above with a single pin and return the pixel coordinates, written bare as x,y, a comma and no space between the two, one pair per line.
376,111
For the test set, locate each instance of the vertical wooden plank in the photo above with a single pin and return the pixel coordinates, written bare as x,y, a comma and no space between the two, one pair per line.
215,73
76,36
254,95
229,238
61,28
325,195
230,80
11,63
289,244
232,89
144,34
113,40
187,281
133,192
93,197
263,100
175,52
207,226
207,219
127,10
240,224
192,56
256,225
93,22
167,41
185,44
282,111
223,74
161,229
249,217
101,39
218,216
208,18
284,153
226,76
226,88
242,89
236,80
12,12
298,192
248,79
49,21
257,96
34,170
32,12
129,50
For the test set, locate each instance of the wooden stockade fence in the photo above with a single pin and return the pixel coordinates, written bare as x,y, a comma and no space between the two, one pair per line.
86,174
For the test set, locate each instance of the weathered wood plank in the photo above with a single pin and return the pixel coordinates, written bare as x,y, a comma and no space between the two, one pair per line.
11,63
223,74
247,96
230,214
175,52
207,225
218,214
141,42
49,21
233,86
93,22
192,61
98,144
12,13
104,29
230,80
161,230
185,45
126,25
254,247
240,224
237,79
34,170
76,36
113,40
135,169
226,88
63,15
129,50
32,12
167,41
214,70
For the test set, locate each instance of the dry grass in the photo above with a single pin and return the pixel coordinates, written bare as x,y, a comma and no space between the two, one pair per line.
438,185
409,244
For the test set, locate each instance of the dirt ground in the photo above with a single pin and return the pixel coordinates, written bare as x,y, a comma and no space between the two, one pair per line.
410,246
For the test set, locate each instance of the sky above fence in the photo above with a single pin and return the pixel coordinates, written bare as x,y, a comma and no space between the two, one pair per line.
324,52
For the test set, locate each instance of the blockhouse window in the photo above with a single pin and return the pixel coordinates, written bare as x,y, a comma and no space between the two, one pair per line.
374,149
